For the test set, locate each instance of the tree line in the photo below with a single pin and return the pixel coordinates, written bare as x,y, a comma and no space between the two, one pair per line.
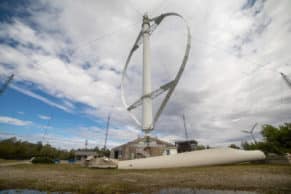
275,140
12,148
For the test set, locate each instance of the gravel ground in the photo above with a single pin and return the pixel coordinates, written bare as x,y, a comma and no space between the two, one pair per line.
67,177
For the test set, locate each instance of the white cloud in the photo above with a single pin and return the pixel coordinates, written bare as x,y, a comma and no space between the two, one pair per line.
78,50
14,121
44,117
41,98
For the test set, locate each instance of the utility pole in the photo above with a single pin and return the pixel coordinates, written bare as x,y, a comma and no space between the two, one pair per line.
107,129
147,106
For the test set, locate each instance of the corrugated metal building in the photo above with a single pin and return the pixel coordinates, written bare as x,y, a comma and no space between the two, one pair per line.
141,148
186,145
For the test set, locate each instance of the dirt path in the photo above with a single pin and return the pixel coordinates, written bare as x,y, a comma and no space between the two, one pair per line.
14,163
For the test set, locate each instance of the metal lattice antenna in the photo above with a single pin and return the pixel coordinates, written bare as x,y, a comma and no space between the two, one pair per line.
46,128
86,144
148,120
185,127
5,85
107,129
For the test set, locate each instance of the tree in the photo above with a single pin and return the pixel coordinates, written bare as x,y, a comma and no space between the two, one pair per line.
275,139
200,147
234,146
15,149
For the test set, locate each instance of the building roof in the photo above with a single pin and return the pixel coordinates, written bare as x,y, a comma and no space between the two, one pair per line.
191,141
85,153
139,139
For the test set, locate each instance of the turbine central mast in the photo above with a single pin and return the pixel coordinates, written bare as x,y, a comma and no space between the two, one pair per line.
147,107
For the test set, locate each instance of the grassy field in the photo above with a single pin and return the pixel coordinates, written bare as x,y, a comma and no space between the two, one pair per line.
6,161
68,177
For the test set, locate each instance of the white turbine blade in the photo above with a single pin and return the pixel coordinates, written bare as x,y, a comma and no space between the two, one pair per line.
245,131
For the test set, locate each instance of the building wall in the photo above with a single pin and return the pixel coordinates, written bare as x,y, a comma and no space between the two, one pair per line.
139,149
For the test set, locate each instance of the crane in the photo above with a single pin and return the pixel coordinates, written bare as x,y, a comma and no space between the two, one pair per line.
251,132
5,85
286,79
107,129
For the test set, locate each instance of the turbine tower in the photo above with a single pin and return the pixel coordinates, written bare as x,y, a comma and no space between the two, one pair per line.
251,132
148,119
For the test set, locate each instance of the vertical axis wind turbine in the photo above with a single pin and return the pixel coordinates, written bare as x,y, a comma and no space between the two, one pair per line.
148,120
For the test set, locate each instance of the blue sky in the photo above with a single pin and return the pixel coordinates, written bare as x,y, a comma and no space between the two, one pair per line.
67,57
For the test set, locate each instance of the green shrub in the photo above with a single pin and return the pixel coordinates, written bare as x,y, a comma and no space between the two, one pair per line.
42,160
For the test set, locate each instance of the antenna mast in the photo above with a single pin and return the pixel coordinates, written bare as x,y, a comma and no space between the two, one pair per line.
86,144
107,129
185,127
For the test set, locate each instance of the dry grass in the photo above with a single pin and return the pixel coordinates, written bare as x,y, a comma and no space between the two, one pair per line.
6,161
66,177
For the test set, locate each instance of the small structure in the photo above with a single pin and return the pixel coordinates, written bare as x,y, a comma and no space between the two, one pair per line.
102,162
142,148
186,145
170,151
82,155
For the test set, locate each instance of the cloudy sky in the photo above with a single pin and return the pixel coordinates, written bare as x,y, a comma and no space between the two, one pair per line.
67,57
